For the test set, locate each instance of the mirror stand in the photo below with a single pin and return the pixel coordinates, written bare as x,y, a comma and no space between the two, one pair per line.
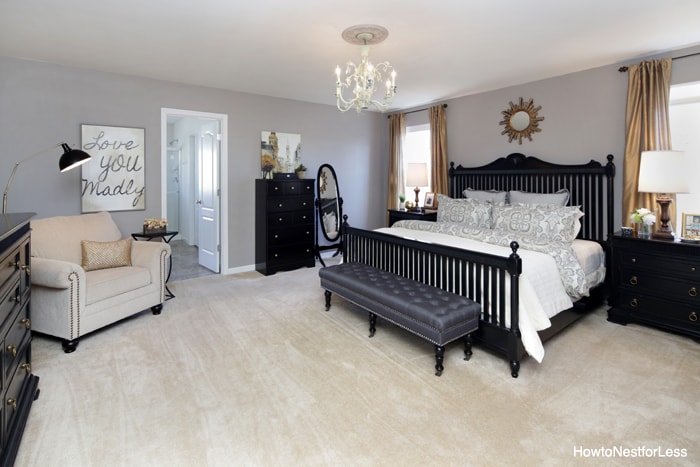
329,206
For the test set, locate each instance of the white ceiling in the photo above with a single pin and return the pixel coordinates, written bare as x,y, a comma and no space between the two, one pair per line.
289,48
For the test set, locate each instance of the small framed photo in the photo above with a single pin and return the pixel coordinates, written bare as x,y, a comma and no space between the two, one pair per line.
691,226
430,201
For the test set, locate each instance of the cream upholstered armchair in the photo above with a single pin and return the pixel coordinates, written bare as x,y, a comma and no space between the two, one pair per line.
85,276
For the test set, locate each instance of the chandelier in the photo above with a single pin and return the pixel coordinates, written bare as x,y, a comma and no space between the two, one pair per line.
363,78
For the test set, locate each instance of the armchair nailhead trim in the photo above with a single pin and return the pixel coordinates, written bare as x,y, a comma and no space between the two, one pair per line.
74,287
163,258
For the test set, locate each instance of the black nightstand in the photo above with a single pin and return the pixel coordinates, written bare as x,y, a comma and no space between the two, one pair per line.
397,215
656,282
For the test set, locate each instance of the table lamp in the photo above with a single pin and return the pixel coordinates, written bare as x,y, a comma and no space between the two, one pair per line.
664,173
417,176
70,159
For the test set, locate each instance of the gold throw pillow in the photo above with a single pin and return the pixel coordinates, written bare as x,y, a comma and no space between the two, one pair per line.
103,255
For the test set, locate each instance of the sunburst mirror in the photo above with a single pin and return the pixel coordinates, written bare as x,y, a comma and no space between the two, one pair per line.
521,120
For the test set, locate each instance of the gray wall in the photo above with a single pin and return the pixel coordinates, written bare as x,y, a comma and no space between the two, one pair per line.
41,104
584,118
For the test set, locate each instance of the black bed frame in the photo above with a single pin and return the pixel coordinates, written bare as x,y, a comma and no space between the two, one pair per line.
457,271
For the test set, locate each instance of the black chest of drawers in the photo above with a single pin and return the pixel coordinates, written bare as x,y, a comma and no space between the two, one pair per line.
284,225
19,387
657,283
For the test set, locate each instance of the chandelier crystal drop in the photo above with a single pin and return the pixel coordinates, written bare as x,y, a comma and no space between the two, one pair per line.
362,79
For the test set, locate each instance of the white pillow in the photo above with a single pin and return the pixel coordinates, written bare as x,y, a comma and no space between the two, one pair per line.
543,222
493,196
560,197
470,212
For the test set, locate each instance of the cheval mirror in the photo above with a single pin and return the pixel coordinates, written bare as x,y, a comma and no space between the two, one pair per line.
329,205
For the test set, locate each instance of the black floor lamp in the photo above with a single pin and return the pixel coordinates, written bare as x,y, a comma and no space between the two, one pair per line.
70,158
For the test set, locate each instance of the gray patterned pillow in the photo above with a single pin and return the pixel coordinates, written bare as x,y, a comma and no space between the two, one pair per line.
467,211
543,222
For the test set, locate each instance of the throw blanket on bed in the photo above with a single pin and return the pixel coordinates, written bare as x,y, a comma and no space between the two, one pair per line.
572,275
542,293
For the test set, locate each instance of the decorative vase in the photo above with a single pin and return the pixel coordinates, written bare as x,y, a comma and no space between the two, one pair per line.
301,174
643,231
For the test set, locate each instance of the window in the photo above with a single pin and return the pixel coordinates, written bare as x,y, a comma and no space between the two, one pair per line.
416,148
684,114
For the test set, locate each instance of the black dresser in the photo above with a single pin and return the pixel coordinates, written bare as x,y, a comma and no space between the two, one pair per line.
284,225
19,385
657,283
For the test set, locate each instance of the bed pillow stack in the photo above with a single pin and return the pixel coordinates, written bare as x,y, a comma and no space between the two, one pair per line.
543,217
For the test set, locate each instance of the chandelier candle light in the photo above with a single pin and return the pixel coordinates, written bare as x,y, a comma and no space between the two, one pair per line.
362,78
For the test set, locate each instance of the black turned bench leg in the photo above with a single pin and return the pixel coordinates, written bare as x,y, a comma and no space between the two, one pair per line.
439,357
514,368
467,346
327,293
372,324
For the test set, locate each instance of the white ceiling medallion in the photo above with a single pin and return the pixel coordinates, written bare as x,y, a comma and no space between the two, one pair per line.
362,79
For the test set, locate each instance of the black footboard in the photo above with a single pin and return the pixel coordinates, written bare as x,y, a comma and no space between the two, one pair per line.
490,280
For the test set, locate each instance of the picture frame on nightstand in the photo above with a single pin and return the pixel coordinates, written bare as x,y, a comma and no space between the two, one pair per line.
691,226
430,201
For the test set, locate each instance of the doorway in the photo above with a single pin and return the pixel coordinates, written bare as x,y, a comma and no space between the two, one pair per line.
193,199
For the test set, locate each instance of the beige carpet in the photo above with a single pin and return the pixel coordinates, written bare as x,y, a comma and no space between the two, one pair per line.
250,370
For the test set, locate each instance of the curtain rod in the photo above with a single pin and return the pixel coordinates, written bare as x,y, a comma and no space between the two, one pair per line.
444,106
623,69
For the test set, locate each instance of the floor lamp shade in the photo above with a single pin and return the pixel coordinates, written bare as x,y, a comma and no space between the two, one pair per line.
417,176
70,158
663,172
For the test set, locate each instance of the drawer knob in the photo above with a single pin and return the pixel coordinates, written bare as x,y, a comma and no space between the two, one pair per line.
634,260
634,303
280,205
633,280
26,322
693,317
26,367
12,349
16,298
693,269
693,292
277,188
280,219
12,403
293,187
27,270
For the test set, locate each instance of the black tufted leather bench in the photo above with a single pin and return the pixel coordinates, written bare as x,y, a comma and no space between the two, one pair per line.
431,313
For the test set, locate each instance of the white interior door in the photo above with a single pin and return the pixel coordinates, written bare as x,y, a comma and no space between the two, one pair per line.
208,218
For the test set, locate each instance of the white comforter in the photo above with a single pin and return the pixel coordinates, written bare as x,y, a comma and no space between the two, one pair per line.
542,294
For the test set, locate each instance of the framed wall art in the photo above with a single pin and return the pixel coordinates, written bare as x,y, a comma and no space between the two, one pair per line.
281,153
114,180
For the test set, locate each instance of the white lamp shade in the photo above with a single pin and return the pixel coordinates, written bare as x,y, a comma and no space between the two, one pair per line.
663,172
417,174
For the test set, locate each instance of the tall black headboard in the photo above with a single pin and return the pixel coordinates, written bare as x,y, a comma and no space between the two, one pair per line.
590,185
